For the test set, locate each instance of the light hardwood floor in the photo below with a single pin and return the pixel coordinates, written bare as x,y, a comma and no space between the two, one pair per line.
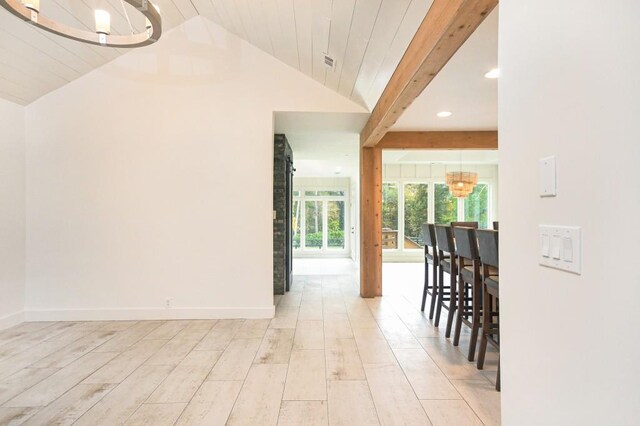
328,357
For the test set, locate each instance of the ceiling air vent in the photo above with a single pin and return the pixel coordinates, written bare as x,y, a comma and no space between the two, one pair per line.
329,62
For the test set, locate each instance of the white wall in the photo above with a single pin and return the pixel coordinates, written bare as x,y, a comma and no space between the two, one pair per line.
569,87
12,213
151,177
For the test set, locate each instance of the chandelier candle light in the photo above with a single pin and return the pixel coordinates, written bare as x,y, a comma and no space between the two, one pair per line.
29,11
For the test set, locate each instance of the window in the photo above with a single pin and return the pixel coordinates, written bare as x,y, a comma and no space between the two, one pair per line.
389,216
407,205
324,193
446,207
335,224
476,206
320,220
295,223
313,224
416,202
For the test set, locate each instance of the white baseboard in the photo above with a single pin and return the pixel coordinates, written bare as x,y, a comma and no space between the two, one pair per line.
148,314
11,320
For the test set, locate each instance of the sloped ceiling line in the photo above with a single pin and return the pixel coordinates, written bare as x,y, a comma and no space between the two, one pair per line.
364,43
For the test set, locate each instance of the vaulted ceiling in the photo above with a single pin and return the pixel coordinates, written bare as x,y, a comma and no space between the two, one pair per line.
366,38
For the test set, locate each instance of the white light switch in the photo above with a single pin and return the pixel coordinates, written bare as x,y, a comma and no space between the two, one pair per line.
560,247
567,249
545,249
548,177
555,247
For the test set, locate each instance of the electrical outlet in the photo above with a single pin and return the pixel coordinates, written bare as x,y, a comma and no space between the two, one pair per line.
167,303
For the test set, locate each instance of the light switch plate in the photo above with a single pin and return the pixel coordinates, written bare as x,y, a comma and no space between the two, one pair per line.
548,186
561,248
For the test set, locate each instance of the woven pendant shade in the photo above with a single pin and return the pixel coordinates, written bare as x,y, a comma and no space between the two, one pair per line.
461,184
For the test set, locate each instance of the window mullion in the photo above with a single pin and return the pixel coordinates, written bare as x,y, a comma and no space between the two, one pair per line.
325,226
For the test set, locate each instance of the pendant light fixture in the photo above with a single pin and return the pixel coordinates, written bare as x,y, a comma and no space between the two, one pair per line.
460,183
29,11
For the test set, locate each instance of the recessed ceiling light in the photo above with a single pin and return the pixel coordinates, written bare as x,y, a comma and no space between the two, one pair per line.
443,114
494,73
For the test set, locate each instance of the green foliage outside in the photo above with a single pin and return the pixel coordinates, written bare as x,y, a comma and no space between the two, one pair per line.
390,206
335,219
446,206
476,206
314,225
416,204
336,239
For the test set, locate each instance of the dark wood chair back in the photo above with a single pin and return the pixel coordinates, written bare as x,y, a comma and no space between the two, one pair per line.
465,224
495,225
429,235
444,238
488,247
466,242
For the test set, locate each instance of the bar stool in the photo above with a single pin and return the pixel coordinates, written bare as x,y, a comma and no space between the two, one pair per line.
430,257
446,294
469,286
488,250
473,225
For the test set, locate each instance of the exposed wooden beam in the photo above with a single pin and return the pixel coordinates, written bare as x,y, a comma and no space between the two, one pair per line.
440,140
370,222
445,28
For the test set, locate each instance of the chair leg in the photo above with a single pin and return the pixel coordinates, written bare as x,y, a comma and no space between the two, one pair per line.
440,296
486,321
460,316
434,292
453,300
476,298
426,285
498,377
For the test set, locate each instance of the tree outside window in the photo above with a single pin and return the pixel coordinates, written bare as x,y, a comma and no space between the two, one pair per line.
313,224
416,203
335,225
446,206
389,216
476,206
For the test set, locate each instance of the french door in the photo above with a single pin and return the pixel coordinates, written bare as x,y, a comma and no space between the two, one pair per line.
319,223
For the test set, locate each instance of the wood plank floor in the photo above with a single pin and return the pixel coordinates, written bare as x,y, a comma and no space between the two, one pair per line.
328,357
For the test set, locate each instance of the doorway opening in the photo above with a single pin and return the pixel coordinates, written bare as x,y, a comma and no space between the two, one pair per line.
325,189
414,192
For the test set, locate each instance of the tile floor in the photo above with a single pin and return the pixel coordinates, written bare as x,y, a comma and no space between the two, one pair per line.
328,357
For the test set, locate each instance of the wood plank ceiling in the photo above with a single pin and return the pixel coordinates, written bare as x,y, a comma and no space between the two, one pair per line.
366,38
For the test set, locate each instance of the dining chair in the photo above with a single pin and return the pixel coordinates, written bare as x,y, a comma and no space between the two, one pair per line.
489,256
496,225
465,224
469,287
448,264
431,257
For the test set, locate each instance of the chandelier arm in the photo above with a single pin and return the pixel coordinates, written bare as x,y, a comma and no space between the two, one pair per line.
126,15
122,41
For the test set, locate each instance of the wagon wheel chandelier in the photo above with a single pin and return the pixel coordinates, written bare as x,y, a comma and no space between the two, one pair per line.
29,10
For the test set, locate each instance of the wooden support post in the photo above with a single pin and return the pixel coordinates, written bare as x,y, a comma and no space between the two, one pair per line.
370,222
